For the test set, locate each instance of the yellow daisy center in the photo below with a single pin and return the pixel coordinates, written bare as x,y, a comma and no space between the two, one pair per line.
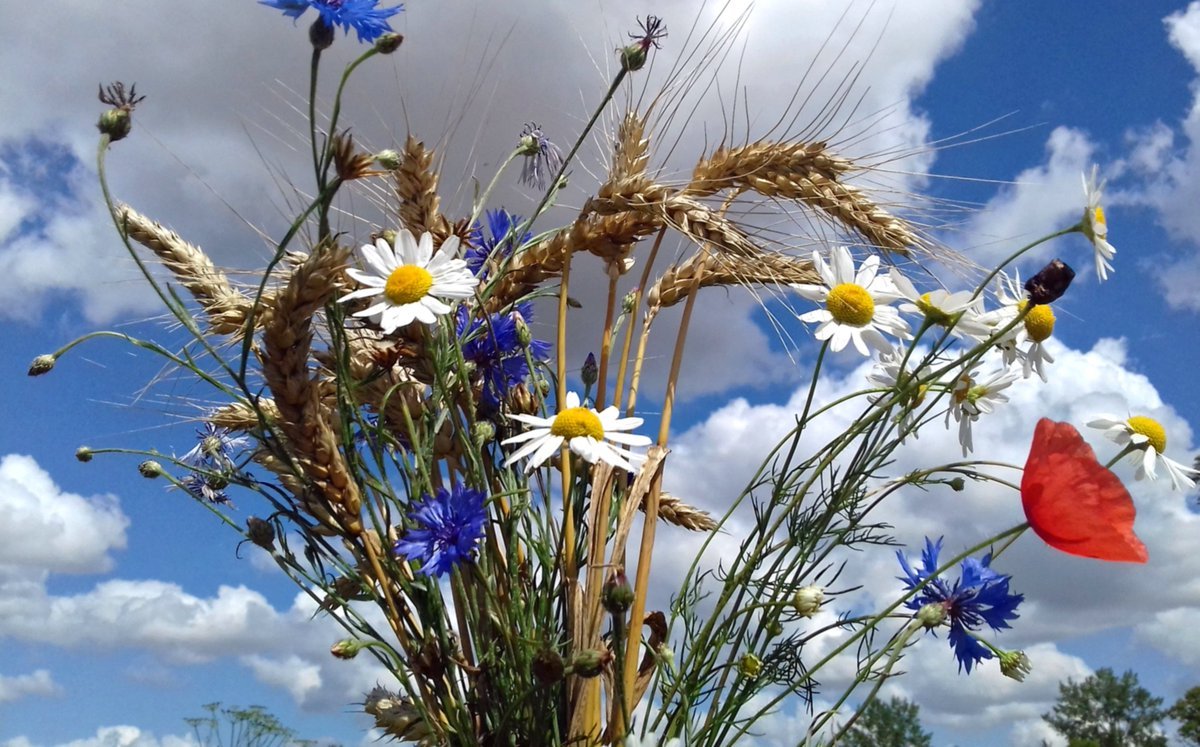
408,284
851,304
1098,217
933,313
577,421
962,390
1039,322
1151,429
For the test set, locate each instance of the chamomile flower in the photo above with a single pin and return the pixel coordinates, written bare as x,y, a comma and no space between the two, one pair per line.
889,373
1094,225
1022,343
410,280
972,397
594,436
1141,433
856,307
961,312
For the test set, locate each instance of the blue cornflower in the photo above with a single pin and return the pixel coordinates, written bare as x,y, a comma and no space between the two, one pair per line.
446,529
500,224
206,487
494,347
542,157
369,21
979,596
214,450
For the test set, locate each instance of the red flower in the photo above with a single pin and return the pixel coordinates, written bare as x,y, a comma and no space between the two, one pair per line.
1073,502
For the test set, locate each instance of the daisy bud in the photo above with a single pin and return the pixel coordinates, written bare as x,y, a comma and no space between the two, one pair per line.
1050,282
261,533
320,34
617,595
547,666
807,601
589,662
347,648
389,42
589,372
749,666
42,364
390,160
150,469
83,454
483,432
774,628
1015,664
932,615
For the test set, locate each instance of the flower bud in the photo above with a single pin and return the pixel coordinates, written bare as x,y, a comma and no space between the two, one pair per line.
633,57
807,600
320,34
389,236
524,335
261,533
116,123
1050,282
617,594
589,372
957,484
42,364
774,629
932,615
1015,664
389,42
589,662
547,666
483,432
150,469
749,666
628,301
347,648
83,454
389,159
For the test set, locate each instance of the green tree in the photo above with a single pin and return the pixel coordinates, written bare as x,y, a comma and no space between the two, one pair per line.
1106,711
894,723
1187,712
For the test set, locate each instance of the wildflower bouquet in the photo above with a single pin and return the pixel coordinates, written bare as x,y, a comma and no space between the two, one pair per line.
482,517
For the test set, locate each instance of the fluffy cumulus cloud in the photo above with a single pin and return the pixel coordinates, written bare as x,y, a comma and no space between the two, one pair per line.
1066,597
47,529
114,736
36,684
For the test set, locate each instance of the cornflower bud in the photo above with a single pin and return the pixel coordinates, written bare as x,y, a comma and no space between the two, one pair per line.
320,34
628,301
261,533
932,615
547,666
117,122
617,595
347,648
957,484
483,432
150,469
589,372
389,159
83,454
589,662
389,42
42,364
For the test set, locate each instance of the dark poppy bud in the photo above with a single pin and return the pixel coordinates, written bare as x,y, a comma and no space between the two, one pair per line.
1050,283
261,533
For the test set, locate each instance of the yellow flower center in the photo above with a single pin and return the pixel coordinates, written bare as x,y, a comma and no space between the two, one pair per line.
1039,322
408,284
1151,429
933,313
575,422
1098,217
851,304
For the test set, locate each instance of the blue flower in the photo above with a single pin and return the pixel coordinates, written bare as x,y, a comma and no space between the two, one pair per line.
446,528
494,347
979,596
542,157
370,22
214,449
206,488
500,224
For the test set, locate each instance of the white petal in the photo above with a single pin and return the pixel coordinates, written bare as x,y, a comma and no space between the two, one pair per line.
424,249
544,452
628,439
366,278
843,266
361,293
572,400
406,248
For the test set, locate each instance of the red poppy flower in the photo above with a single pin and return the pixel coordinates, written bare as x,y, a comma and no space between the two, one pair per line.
1073,502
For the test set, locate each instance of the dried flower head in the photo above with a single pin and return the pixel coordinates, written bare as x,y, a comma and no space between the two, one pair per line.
117,122
633,57
542,157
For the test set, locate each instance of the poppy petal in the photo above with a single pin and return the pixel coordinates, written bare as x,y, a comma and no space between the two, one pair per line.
1073,502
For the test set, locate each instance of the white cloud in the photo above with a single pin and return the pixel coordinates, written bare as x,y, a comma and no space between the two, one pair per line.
114,736
47,529
38,683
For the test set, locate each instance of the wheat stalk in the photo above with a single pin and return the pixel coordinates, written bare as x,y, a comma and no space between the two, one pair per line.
416,186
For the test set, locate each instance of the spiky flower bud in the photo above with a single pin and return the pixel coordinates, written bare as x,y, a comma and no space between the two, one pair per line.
482,433
150,469
547,666
589,662
617,594
749,666
932,615
116,123
347,648
590,371
83,454
320,34
1050,282
42,364
807,600
1015,664
389,42
389,159
261,533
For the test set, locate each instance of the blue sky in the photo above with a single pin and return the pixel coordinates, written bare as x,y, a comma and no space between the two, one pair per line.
123,607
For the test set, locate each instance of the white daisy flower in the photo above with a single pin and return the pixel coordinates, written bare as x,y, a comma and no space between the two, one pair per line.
887,374
856,307
972,397
1024,342
1094,226
410,280
961,312
585,431
1140,433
